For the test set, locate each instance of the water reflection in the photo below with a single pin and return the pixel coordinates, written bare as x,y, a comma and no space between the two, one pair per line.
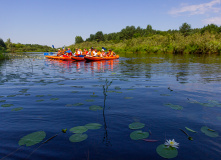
79,66
106,140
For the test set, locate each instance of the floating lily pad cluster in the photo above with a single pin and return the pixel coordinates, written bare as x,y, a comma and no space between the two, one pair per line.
175,107
95,108
79,131
138,134
114,92
210,103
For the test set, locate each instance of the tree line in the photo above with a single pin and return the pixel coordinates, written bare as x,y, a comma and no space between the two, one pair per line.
138,40
8,46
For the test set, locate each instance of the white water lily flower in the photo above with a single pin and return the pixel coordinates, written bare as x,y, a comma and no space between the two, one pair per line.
172,143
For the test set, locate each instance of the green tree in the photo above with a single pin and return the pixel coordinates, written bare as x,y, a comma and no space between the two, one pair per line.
128,32
149,29
211,28
78,39
99,36
185,29
2,44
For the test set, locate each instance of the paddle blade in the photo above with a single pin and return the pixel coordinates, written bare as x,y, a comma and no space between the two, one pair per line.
45,54
104,48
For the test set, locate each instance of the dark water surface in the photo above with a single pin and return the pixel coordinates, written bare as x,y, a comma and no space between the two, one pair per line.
139,89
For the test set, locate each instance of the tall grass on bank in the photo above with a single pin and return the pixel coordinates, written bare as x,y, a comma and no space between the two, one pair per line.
3,56
205,43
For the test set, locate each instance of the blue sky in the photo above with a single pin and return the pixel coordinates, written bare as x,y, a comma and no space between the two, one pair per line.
57,22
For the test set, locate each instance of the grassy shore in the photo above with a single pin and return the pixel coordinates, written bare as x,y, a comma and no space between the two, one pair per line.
198,43
3,56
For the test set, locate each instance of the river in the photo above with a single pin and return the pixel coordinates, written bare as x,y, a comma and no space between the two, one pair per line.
162,95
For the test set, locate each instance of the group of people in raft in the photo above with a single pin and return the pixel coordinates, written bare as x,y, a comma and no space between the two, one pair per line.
91,53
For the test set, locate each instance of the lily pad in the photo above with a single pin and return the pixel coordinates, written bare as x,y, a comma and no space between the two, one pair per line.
23,90
136,135
136,125
2,101
17,109
165,94
78,104
207,104
89,100
7,105
11,95
176,107
214,102
209,132
54,99
78,137
93,126
40,100
69,105
95,108
128,97
190,130
166,152
32,139
78,129
39,95
94,95
74,91
117,88
78,86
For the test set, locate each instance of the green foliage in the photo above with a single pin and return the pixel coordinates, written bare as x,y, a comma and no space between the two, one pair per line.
99,36
78,39
13,47
2,44
185,29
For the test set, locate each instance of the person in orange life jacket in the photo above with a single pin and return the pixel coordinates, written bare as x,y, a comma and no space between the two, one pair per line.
76,52
110,53
63,51
79,53
69,53
85,51
92,51
103,54
95,52
59,52
89,52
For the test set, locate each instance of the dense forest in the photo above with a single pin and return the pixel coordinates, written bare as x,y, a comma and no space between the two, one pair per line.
138,40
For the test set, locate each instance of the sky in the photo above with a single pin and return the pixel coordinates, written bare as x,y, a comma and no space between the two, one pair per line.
58,22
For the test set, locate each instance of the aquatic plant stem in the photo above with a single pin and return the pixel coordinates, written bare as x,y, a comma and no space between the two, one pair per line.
42,144
11,153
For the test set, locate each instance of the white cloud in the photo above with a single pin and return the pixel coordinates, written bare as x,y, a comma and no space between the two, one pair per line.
213,20
197,9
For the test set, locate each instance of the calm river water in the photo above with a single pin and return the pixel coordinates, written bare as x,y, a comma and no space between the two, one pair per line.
165,93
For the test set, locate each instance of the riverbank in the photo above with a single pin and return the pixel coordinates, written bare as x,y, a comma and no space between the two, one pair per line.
3,56
197,43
